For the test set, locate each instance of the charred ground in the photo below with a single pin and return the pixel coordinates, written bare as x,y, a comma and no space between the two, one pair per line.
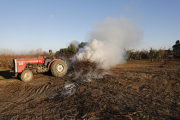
135,90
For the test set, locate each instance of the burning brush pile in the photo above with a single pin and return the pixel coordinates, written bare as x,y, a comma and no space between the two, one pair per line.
84,65
87,69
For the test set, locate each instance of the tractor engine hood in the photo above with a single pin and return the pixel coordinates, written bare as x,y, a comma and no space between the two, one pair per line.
20,63
37,60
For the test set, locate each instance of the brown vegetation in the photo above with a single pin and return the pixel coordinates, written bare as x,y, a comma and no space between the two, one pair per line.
7,56
85,65
134,90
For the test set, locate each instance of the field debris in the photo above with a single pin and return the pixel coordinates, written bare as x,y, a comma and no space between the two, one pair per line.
135,90
88,76
85,65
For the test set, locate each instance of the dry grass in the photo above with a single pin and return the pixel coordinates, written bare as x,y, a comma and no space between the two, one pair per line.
138,90
6,61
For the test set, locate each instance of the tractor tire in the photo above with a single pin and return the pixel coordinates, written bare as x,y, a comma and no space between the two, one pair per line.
59,68
26,76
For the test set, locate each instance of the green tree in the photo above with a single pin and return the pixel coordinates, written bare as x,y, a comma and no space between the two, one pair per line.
57,52
63,51
81,45
71,49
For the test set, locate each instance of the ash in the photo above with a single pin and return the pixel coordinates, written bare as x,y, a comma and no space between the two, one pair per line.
89,76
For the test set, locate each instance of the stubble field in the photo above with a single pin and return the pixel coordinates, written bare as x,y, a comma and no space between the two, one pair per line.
138,89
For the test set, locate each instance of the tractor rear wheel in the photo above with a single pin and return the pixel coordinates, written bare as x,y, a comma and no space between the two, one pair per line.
59,68
26,76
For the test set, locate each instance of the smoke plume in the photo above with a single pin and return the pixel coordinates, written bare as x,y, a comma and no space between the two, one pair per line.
108,40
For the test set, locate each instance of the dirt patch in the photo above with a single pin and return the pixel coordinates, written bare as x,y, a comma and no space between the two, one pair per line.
135,90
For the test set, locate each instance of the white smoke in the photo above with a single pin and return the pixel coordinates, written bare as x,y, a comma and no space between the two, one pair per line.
108,41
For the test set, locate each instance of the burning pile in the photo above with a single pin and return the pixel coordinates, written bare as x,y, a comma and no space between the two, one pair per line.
85,65
86,69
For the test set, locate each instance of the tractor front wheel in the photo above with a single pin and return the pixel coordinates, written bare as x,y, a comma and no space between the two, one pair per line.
59,68
26,76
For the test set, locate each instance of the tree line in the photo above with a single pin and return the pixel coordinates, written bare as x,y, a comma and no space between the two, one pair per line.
71,49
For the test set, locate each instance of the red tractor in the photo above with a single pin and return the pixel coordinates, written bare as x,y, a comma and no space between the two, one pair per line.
26,67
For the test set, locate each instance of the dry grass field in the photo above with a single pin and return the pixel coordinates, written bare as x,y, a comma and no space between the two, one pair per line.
138,89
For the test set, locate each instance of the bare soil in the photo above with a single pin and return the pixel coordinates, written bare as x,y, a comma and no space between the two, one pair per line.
131,91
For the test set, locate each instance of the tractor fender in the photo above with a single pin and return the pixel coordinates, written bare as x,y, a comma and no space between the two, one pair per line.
53,61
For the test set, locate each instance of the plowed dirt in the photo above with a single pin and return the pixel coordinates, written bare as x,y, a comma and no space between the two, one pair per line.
132,91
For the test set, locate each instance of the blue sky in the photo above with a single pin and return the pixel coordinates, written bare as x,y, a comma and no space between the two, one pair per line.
52,24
